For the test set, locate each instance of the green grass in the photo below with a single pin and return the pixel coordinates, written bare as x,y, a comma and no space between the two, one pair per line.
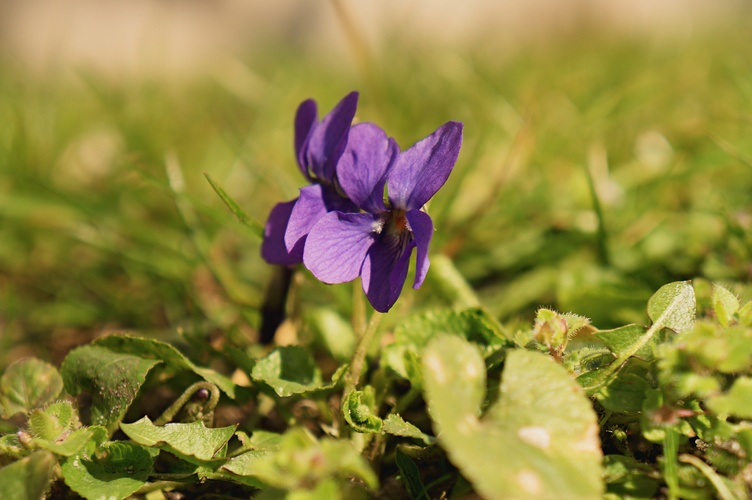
121,246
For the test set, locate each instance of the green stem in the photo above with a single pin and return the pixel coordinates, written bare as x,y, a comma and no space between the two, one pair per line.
359,308
723,491
670,454
359,356
184,398
603,255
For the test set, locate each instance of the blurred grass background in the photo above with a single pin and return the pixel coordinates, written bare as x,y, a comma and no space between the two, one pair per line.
596,167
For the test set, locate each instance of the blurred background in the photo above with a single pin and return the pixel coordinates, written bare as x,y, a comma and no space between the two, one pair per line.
607,151
180,37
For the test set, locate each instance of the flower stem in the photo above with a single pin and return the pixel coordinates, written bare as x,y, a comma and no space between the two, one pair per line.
207,407
359,356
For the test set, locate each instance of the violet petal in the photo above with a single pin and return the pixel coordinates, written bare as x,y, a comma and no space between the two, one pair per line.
273,248
337,245
311,206
421,170
422,228
305,120
329,138
385,270
362,169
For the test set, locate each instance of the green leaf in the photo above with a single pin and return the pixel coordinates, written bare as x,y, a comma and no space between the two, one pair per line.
162,351
450,282
745,314
625,393
725,304
621,340
10,445
51,422
28,384
673,306
291,370
193,441
410,473
304,462
396,426
336,333
113,380
736,402
627,478
244,465
358,408
411,337
72,443
28,478
244,219
474,324
117,471
539,440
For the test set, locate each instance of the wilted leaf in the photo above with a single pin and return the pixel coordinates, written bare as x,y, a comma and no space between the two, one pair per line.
539,440
28,384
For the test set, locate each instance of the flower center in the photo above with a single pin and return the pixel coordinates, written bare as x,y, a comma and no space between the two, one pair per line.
400,221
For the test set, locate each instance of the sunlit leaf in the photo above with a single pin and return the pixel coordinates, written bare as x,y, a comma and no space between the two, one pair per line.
28,384
303,462
737,402
193,440
539,440
397,426
725,304
28,478
673,306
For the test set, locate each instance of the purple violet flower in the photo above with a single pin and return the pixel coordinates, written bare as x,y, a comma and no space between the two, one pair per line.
318,148
376,242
